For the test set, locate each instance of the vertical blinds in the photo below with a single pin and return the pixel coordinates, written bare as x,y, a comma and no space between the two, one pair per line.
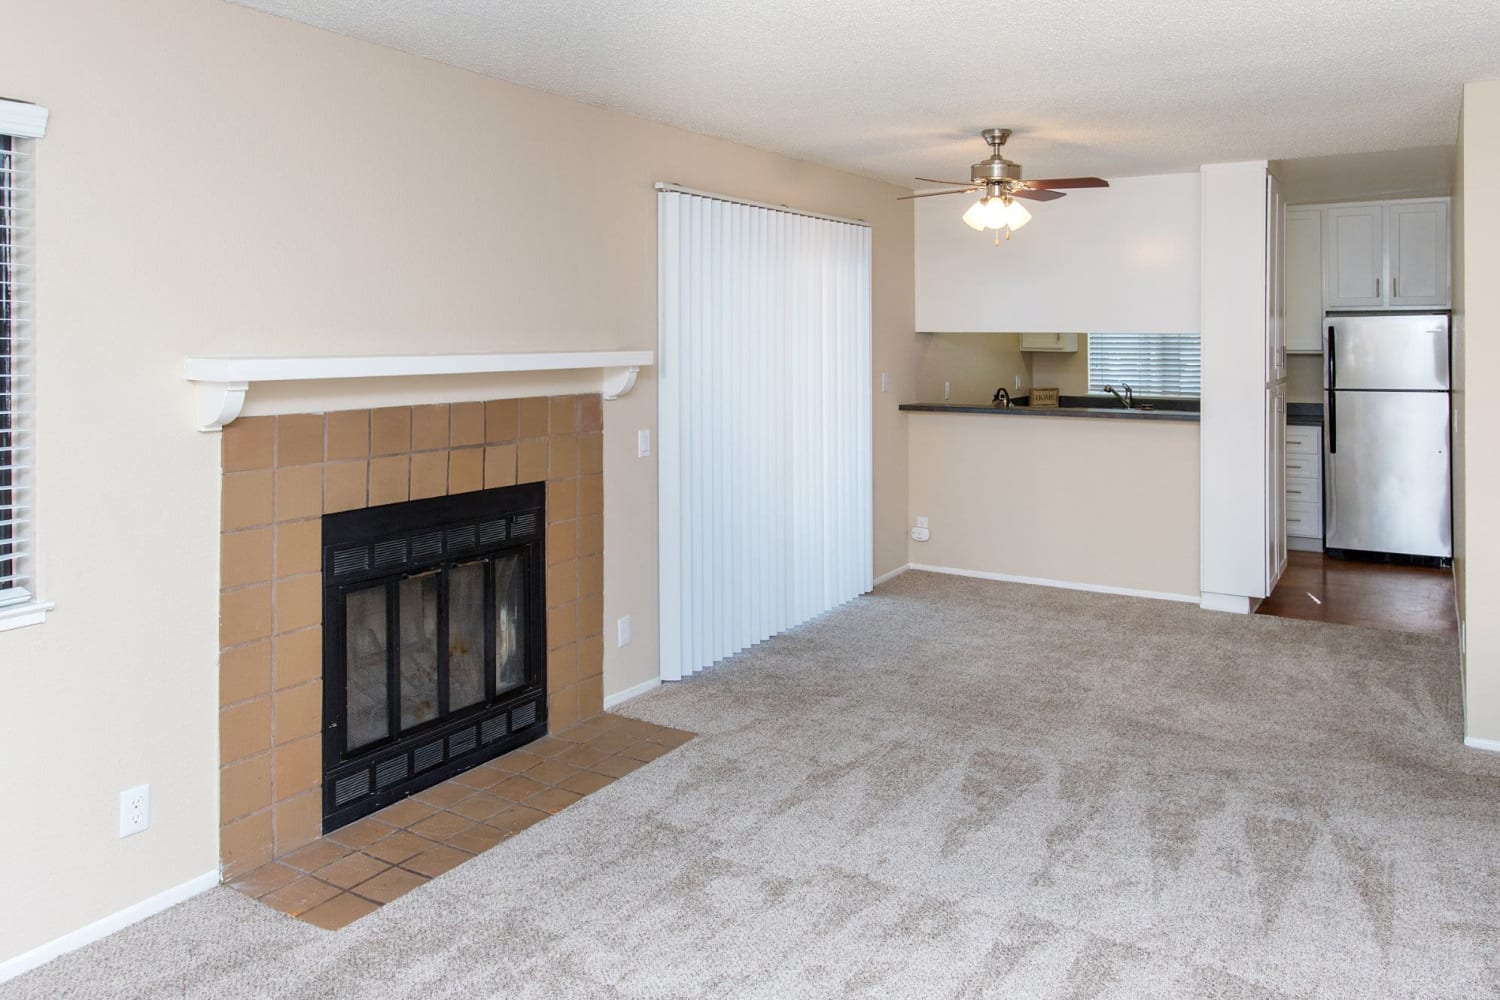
765,423
1155,364
15,385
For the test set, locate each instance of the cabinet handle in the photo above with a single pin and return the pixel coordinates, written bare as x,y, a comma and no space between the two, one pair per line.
1394,294
1377,288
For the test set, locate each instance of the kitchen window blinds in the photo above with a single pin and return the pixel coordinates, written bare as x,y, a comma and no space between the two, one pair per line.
1155,364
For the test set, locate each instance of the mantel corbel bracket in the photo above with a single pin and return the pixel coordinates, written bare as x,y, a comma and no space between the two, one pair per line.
219,403
619,381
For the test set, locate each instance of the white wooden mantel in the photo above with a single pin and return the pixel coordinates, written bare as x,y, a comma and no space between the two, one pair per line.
222,383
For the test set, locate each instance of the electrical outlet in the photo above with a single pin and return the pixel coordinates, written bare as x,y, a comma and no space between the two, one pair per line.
947,387
622,631
885,381
642,443
1018,383
135,810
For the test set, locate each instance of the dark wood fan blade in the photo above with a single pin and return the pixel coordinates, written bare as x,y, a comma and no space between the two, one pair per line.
929,180
1038,195
930,194
1069,182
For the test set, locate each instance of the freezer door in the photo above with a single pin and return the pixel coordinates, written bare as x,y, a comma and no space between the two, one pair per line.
1387,461
1386,352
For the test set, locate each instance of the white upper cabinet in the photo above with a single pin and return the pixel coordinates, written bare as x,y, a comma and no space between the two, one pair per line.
1354,257
1418,248
1058,343
1304,280
1378,255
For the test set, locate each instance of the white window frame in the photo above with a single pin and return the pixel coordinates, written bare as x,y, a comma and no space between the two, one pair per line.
19,605
1142,384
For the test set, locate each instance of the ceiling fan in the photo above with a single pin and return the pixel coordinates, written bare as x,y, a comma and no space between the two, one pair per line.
1000,180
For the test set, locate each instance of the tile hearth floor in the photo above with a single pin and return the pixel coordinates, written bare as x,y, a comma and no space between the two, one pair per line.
352,871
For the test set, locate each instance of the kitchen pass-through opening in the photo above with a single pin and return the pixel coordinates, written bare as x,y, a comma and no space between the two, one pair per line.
434,646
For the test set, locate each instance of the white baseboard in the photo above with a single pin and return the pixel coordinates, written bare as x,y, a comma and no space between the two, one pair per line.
1474,742
1304,544
882,578
611,700
106,926
1037,581
1235,604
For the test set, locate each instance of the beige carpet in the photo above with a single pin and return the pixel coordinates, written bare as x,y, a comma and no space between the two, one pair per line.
954,788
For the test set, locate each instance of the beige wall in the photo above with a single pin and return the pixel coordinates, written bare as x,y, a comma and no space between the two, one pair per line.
216,180
973,365
1304,378
1109,503
1477,337
1067,372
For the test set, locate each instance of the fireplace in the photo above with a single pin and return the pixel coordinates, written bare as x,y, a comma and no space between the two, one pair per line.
434,645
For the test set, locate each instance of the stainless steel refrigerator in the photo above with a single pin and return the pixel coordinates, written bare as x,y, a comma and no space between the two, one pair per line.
1386,434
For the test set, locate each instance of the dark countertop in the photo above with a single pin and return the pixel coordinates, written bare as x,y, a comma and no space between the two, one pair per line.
1304,414
1183,410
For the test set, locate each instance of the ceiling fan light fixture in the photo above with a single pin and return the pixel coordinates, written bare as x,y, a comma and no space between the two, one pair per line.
996,213
974,217
1017,216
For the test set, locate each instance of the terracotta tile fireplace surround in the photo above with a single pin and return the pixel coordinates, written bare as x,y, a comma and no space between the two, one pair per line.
280,476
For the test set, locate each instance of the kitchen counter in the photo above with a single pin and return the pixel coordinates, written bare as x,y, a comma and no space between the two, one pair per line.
1304,414
1184,410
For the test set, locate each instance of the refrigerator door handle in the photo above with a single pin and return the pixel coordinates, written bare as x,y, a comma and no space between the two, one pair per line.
1330,377
1333,423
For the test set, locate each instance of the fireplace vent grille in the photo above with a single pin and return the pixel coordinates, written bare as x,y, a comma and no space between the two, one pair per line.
427,756
427,546
351,787
461,743
390,553
351,561
522,716
388,772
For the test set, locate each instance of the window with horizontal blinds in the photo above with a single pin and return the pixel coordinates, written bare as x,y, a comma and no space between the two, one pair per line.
10,583
1154,364
20,124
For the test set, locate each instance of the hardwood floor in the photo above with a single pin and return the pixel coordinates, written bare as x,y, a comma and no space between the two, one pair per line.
1345,592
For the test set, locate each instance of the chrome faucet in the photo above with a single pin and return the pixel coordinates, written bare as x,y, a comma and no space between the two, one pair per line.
1002,398
1128,401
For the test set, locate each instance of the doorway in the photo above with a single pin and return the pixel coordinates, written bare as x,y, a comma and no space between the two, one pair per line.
1372,595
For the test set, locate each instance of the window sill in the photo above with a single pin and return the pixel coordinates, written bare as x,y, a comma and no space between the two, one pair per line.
21,615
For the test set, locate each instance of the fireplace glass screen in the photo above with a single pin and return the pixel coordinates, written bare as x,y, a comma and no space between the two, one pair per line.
434,659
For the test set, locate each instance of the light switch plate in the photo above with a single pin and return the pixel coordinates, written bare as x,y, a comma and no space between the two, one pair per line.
642,443
622,631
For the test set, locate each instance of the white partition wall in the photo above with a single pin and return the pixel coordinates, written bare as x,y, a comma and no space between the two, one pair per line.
764,435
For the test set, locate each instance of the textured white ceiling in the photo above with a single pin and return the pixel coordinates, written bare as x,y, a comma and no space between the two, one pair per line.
894,88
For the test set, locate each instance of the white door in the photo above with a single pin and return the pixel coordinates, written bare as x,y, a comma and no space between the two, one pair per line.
1304,280
1418,241
1275,281
1354,257
1275,484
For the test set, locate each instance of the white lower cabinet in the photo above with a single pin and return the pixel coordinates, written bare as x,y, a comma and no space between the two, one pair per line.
1304,488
